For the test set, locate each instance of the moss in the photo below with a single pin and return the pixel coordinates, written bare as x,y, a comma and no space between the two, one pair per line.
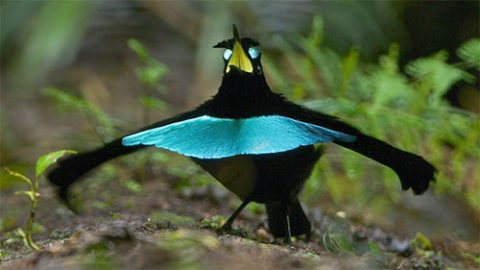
421,242
215,222
170,220
188,247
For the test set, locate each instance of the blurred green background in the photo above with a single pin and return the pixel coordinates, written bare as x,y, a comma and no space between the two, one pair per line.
75,74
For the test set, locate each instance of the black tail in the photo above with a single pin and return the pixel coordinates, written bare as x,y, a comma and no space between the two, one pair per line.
299,223
414,171
73,167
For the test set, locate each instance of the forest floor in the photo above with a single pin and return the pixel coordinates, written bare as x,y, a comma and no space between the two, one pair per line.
155,226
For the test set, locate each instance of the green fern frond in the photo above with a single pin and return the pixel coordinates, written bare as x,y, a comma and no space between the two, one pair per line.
437,73
470,53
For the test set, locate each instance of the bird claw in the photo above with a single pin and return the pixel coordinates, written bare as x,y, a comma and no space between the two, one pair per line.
226,228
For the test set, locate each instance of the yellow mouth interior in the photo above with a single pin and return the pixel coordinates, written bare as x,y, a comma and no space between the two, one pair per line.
239,59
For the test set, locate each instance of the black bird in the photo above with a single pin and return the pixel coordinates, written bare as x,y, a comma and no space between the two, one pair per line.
255,142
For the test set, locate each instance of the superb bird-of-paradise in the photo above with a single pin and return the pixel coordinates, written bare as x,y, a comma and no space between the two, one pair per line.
259,145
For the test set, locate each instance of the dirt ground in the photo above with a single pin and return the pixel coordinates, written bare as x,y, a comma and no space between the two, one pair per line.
157,226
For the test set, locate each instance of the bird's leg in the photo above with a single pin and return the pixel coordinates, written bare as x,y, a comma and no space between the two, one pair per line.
228,225
63,194
288,233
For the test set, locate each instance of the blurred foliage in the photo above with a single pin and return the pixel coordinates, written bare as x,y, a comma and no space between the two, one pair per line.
102,124
374,249
149,74
406,108
428,258
469,52
55,31
213,222
151,71
336,242
421,242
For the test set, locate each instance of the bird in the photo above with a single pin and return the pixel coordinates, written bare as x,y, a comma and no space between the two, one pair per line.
254,141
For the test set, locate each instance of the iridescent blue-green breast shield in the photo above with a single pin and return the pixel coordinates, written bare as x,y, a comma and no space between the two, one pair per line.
209,137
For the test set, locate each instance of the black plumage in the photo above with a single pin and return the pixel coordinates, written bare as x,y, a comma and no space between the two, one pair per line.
275,179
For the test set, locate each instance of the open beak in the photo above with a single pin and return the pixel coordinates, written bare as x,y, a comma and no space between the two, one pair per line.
239,58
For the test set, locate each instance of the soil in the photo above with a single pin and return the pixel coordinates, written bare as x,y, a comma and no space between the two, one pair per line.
156,225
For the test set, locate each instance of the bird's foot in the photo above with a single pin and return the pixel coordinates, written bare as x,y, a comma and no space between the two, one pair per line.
63,195
226,228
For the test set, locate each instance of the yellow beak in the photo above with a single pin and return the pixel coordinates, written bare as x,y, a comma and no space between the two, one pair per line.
239,58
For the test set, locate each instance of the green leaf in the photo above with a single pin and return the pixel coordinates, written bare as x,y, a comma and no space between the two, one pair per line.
19,175
132,185
3,254
374,248
471,257
151,71
349,66
421,242
29,194
214,222
151,74
21,233
48,159
37,228
138,48
437,72
391,90
316,36
64,100
470,52
153,103
336,242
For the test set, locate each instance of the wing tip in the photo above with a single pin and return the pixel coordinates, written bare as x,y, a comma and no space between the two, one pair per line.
417,180
129,141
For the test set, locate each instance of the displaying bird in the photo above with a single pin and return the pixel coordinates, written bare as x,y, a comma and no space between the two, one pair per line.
256,143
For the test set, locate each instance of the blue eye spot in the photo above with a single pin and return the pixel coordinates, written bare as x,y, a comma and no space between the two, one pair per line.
254,52
227,54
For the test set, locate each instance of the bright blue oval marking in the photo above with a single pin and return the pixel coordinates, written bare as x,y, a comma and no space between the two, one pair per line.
227,54
211,137
254,52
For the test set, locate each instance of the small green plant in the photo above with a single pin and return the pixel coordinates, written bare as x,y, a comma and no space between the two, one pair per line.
336,242
374,249
215,222
421,242
151,71
149,74
32,193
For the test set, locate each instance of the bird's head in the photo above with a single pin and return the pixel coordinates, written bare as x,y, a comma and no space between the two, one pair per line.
241,54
